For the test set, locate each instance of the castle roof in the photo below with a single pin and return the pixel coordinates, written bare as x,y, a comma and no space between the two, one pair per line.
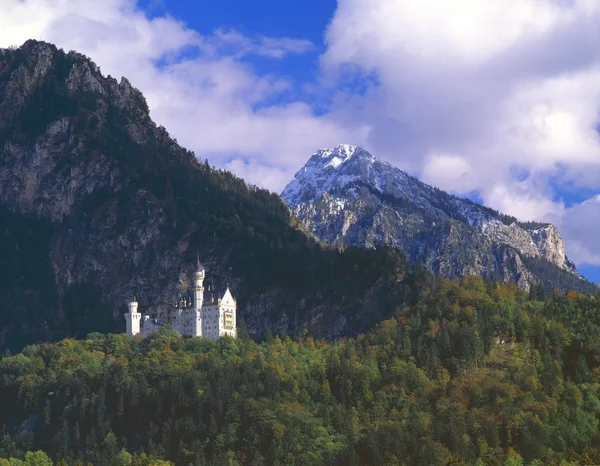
212,296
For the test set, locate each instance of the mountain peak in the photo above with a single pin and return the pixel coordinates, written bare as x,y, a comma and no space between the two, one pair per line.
338,155
332,168
348,197
327,157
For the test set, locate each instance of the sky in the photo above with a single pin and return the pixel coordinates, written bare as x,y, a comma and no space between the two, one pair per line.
497,100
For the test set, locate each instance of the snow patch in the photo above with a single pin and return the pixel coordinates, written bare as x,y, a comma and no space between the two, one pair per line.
335,162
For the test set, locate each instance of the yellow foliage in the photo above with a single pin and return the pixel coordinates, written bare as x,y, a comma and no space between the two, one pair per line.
572,295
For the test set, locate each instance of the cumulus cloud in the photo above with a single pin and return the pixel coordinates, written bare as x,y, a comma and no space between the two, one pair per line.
256,173
200,87
581,224
449,172
500,97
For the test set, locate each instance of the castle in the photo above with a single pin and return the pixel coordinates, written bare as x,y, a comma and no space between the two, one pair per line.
211,314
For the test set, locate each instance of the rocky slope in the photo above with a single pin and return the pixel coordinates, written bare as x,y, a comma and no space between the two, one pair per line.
98,203
347,197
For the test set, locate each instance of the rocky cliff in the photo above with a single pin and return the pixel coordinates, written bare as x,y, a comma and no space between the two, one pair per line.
98,204
347,197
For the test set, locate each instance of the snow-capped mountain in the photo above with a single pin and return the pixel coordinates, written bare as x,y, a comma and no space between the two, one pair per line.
347,197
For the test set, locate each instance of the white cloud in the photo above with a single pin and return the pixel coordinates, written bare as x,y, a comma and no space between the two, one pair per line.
198,86
449,172
240,45
580,225
256,173
524,201
472,94
470,31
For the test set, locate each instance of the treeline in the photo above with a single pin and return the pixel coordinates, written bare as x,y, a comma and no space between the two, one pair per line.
122,458
474,373
552,277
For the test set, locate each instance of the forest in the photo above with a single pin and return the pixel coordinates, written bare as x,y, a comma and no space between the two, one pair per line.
470,372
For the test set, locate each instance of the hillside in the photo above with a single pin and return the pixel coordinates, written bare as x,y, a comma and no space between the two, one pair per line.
471,373
99,204
345,196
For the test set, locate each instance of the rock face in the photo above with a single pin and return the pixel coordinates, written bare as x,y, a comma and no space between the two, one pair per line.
98,204
116,206
347,197
57,163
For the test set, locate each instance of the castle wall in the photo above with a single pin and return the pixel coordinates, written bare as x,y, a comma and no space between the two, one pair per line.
149,326
228,315
210,328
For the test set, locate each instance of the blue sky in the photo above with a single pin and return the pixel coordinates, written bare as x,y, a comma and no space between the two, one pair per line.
295,19
305,20
497,100
299,19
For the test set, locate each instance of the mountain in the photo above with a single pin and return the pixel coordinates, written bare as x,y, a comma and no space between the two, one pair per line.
98,204
347,197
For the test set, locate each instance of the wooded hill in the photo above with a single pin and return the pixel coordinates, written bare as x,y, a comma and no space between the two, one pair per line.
470,372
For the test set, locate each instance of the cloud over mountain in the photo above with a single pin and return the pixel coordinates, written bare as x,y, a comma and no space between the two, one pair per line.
495,97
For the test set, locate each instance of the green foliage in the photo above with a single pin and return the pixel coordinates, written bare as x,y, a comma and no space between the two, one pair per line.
37,458
40,458
471,372
533,225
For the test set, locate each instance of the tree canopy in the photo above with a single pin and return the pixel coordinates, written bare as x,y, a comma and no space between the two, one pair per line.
471,373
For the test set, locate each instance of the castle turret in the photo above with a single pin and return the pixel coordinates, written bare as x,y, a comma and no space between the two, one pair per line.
198,287
195,317
132,319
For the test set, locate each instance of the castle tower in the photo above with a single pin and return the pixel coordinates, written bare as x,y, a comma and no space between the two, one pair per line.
198,287
227,314
196,329
132,319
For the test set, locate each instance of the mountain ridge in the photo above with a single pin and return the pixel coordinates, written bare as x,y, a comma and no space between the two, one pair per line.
99,204
345,196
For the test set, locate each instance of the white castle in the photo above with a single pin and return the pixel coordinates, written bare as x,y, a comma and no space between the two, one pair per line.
211,314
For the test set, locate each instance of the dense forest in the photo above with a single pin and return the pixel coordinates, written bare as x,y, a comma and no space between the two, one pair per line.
468,373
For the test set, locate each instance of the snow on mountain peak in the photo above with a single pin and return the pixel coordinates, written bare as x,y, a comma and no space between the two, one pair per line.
322,171
336,156
347,149
339,171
